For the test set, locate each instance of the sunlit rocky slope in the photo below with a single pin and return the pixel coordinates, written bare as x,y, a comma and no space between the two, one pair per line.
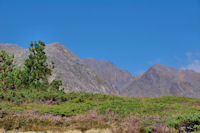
91,75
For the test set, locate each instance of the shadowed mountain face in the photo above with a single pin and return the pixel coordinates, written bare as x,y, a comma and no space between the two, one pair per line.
72,70
160,80
119,78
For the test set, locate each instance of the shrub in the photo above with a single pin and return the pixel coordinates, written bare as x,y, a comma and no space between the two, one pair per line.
188,123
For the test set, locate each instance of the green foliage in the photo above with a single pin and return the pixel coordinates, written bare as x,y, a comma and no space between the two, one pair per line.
6,71
33,75
28,96
55,84
188,122
36,66
102,103
151,112
21,78
146,126
149,130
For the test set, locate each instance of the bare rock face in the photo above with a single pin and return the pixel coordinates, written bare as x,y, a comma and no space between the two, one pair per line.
69,68
74,73
11,48
161,80
119,78
19,53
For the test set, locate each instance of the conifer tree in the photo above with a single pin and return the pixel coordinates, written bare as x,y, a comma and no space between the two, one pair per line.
6,71
36,66
34,73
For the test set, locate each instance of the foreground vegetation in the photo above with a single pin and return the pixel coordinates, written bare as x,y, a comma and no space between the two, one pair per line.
29,101
57,110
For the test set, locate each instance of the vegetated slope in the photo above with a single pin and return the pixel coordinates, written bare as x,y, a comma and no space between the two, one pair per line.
84,111
119,78
161,80
69,68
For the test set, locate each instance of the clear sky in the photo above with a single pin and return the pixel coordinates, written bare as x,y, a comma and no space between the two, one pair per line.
133,34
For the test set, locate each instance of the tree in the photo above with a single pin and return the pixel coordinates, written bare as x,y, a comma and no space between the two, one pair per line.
37,70
11,77
34,73
36,66
6,71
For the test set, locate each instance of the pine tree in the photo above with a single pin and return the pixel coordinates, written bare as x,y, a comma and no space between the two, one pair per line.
36,66
20,78
34,73
6,71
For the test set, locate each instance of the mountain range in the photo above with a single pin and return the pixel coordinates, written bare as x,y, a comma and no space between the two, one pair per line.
96,76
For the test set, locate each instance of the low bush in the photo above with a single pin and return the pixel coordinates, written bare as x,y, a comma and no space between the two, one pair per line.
28,96
187,122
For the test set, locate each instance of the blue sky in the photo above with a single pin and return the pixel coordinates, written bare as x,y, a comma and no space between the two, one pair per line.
133,34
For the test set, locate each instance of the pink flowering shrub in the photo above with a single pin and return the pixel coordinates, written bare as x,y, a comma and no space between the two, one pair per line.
33,120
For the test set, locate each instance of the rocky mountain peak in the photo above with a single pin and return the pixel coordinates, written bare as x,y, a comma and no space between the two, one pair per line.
162,80
109,71
56,45
159,67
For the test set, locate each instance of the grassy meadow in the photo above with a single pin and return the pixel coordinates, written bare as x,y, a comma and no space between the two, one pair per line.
56,110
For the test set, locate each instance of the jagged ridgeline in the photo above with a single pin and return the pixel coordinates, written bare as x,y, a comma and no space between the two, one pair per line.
33,74
74,73
96,76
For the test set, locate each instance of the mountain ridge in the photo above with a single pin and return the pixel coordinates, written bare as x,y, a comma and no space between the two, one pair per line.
162,80
71,69
96,76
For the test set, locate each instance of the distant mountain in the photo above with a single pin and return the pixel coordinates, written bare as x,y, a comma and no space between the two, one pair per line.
119,78
71,69
91,75
74,73
12,49
161,80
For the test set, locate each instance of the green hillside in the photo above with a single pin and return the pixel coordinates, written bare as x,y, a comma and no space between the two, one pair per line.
34,110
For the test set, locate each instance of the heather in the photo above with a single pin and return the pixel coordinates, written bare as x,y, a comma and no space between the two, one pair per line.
79,110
